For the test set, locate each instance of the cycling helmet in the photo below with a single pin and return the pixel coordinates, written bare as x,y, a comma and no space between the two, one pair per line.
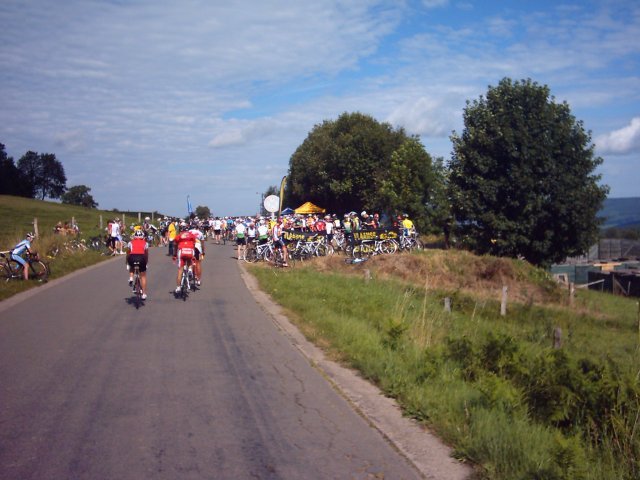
30,235
138,234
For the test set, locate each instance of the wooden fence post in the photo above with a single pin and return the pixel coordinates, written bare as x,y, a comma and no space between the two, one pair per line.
35,227
572,293
100,223
447,304
503,303
557,338
367,275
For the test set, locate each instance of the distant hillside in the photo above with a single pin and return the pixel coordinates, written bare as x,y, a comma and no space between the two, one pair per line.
17,215
621,212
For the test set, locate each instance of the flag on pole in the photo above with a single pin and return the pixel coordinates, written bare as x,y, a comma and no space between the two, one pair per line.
284,179
189,208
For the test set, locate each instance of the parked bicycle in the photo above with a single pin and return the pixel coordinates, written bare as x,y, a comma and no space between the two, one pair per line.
256,252
409,242
12,270
367,248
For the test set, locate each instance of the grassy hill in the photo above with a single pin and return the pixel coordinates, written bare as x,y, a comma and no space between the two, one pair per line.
492,385
621,212
17,215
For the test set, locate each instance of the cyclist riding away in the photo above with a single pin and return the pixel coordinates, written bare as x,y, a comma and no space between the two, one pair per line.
198,255
138,252
23,247
184,251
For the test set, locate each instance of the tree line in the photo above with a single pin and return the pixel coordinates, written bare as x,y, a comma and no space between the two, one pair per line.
40,175
520,181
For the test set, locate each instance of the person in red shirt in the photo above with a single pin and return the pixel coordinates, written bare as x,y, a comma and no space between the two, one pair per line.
185,247
138,252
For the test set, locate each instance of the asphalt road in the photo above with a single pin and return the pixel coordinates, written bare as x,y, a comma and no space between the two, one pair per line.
210,388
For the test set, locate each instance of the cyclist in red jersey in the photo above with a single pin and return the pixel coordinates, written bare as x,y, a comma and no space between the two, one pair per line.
138,251
184,246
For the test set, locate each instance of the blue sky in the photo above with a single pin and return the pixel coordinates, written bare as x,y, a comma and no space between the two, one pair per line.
149,101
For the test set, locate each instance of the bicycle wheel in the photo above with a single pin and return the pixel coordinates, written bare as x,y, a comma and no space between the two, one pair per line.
388,246
321,250
137,286
5,273
278,259
251,256
358,252
184,287
268,255
39,270
192,281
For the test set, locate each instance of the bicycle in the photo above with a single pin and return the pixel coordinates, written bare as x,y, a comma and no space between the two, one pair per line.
278,258
374,247
10,269
409,242
137,284
187,282
259,252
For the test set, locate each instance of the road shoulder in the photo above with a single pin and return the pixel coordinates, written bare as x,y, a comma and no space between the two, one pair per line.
422,448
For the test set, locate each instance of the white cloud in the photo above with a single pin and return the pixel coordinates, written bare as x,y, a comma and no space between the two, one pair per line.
425,116
622,141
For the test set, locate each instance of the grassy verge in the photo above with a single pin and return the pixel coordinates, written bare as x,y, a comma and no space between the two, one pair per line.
63,264
492,386
17,215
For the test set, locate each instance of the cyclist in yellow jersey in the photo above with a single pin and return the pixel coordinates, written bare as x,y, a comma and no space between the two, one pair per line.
407,225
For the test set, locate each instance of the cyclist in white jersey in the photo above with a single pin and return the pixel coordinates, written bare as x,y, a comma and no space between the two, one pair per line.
199,253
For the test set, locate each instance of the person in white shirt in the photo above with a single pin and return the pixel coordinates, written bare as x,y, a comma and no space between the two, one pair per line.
241,240
198,254
217,230
116,240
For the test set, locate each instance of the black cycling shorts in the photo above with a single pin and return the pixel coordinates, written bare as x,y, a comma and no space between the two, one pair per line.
137,258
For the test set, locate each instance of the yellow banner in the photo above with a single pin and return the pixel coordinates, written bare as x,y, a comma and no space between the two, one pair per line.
374,235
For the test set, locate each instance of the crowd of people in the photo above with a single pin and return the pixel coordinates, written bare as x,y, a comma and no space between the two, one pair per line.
185,237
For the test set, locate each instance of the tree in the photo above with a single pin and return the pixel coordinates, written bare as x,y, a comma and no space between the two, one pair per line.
12,182
202,212
53,182
44,174
521,176
341,164
29,166
79,195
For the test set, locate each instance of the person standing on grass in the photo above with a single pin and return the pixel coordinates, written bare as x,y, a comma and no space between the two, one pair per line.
115,236
278,240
